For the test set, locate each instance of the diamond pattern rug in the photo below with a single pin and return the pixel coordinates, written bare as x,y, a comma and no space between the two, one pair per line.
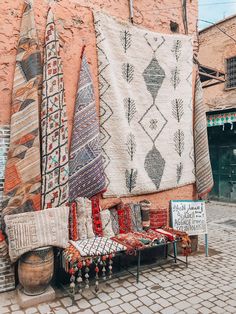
146,117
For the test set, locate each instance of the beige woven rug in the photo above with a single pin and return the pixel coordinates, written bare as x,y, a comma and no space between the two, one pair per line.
145,108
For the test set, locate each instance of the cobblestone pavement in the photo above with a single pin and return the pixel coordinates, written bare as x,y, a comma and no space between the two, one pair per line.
208,285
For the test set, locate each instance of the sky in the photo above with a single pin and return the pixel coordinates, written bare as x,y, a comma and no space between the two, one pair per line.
215,10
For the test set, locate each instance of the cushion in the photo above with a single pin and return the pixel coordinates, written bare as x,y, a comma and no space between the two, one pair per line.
114,221
106,223
31,230
97,224
85,223
136,217
124,218
97,246
145,212
158,217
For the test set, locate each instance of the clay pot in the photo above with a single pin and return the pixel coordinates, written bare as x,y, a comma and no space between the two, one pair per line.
35,270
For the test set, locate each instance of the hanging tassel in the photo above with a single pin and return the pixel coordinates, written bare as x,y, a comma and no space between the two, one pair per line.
110,265
79,277
104,267
96,276
87,273
72,279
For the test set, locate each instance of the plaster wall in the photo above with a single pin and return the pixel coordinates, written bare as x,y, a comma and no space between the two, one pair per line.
214,48
75,26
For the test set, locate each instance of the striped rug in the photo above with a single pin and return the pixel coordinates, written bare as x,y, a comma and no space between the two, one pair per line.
204,178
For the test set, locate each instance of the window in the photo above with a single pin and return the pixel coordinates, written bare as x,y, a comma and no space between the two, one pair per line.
231,73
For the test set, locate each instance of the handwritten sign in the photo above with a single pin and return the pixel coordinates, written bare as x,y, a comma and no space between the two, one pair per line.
189,216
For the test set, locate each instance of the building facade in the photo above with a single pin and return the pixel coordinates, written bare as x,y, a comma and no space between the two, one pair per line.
217,56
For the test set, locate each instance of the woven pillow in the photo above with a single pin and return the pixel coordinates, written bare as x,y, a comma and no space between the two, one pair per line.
136,217
124,218
145,213
31,230
114,221
106,223
84,218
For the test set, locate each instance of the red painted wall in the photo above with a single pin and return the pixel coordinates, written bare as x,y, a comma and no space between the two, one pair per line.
75,26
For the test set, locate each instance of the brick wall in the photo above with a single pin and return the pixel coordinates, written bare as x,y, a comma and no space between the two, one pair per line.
214,48
7,279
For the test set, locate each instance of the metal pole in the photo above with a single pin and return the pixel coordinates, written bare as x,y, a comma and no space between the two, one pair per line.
138,266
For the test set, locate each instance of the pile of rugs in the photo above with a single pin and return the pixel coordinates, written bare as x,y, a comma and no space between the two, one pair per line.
124,228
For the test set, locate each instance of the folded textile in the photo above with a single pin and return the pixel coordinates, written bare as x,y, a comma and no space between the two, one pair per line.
28,231
169,235
139,240
97,246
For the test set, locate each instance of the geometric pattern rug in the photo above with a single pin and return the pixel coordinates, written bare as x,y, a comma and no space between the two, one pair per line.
146,115
22,186
86,173
97,246
53,123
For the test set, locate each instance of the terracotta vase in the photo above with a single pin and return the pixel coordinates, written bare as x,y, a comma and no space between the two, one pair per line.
35,270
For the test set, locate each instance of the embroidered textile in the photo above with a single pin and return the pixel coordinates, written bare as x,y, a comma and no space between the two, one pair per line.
146,119
145,213
115,221
136,217
204,178
97,246
96,218
53,123
22,185
28,231
158,218
86,174
139,240
106,223
124,218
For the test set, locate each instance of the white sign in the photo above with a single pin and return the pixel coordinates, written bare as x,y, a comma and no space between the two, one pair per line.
189,216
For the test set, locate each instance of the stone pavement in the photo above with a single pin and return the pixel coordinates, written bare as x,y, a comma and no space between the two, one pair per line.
208,285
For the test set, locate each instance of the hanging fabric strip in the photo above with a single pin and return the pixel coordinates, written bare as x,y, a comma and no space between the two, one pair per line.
184,15
53,123
22,188
86,165
204,179
221,119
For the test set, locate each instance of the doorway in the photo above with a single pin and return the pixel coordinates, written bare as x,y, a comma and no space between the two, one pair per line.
222,146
